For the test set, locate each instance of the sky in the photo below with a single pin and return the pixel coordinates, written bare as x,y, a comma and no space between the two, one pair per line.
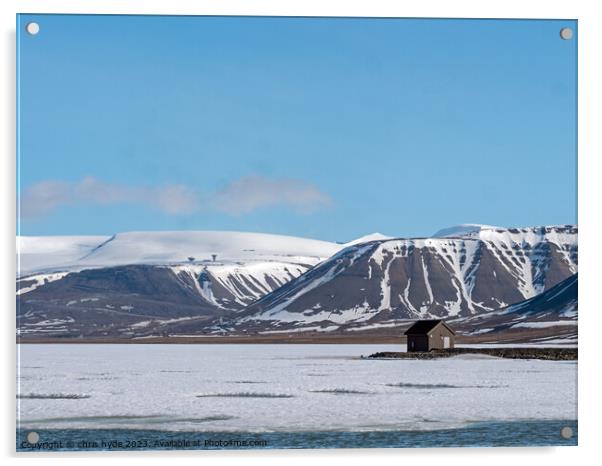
326,128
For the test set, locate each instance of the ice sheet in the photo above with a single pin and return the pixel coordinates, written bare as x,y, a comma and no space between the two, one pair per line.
280,388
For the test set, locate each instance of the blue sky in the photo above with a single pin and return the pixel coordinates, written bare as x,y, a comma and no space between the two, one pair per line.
324,128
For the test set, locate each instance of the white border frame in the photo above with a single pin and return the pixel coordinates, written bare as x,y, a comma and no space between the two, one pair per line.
590,82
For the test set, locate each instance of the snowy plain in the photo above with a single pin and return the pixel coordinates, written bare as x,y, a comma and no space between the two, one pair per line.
261,388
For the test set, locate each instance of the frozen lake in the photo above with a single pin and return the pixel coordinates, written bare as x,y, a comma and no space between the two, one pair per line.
280,388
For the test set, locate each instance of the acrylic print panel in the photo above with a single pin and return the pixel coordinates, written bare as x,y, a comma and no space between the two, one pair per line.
261,232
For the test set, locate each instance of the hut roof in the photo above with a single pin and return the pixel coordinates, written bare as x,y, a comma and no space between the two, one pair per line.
424,327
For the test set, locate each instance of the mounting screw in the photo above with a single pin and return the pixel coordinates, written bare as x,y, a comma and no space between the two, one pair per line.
32,28
566,432
566,33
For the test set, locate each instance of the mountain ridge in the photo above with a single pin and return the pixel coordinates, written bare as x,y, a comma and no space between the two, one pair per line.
387,280
258,287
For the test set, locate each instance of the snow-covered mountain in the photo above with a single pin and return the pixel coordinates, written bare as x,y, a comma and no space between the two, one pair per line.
205,282
386,281
105,284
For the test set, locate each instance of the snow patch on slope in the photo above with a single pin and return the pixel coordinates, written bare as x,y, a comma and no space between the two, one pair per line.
39,280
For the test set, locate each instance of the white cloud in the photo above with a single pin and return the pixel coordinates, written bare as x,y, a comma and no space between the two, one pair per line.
242,196
44,197
255,192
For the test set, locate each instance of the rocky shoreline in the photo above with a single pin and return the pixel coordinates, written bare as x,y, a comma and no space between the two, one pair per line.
551,354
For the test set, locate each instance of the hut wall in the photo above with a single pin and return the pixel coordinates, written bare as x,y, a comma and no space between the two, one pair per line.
436,338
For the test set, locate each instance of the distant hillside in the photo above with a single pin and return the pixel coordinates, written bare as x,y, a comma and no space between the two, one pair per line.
556,307
192,283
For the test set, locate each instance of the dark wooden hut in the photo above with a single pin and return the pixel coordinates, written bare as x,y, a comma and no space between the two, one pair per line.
425,335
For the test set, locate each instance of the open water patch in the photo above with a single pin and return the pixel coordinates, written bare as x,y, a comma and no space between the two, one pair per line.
481,434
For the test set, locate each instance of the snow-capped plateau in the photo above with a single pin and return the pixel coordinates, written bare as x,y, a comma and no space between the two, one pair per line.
38,254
